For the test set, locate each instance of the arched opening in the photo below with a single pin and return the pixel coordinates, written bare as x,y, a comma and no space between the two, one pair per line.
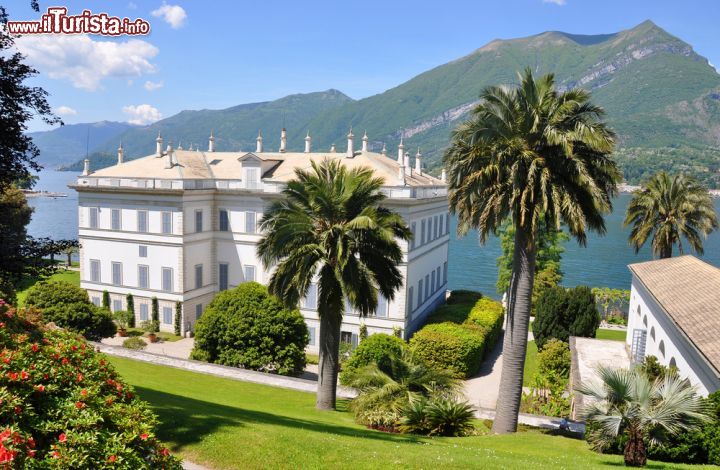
673,363
645,320
652,333
662,348
639,311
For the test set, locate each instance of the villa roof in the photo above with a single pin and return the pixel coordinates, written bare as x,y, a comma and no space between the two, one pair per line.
689,291
276,166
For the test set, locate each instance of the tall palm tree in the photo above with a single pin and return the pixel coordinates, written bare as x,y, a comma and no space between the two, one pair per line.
628,402
538,156
667,209
330,226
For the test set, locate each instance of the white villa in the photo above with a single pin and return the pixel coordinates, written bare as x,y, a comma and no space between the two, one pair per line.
181,225
675,316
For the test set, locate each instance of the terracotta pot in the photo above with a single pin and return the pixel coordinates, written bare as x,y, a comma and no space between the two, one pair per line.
122,332
152,337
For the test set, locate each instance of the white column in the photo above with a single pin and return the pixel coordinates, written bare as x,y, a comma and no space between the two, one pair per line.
211,143
401,152
350,150
418,162
308,142
158,145
283,140
365,143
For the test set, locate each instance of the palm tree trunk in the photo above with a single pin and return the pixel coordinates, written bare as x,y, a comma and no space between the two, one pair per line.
666,251
329,363
635,452
516,332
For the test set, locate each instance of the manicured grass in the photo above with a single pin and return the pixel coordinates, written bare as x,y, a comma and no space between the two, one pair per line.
73,277
230,424
163,335
614,335
312,358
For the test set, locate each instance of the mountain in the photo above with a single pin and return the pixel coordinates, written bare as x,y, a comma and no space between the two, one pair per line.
68,143
661,97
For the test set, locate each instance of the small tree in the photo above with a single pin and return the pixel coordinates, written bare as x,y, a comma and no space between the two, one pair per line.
561,313
155,314
362,332
130,301
106,299
178,318
247,327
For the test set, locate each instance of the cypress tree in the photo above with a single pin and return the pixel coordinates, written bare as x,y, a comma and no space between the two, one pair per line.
131,309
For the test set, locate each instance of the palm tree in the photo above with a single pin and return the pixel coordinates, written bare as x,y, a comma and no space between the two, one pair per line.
540,157
628,402
329,225
668,208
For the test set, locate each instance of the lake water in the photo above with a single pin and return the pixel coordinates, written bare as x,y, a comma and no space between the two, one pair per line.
603,262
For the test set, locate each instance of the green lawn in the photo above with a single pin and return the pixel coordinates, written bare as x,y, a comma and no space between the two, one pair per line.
73,277
614,335
229,424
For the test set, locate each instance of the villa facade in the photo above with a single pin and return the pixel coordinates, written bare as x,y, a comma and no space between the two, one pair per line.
182,225
675,316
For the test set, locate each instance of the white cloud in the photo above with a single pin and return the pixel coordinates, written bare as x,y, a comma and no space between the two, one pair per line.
151,86
86,62
142,114
65,111
174,15
132,6
556,2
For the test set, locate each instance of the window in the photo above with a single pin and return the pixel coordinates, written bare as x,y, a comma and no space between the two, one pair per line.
95,300
447,223
433,287
142,221
198,311
198,276
167,279
349,337
249,272
116,222
437,226
427,286
95,270
420,293
382,307
117,305
422,232
645,320
348,307
199,220
441,229
224,220
250,222
116,273
143,276
167,313
652,333
445,272
143,312
437,273
93,217
311,330
252,178
167,222
661,348
142,251
639,311
223,276
310,300
673,363
410,299
413,229
431,235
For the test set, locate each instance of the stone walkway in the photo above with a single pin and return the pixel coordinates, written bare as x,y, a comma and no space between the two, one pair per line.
179,349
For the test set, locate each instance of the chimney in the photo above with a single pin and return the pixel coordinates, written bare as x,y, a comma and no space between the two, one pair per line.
168,162
86,168
401,152
406,164
443,176
258,143
308,142
120,154
211,143
418,162
158,145
401,175
283,140
332,149
350,150
365,143
384,150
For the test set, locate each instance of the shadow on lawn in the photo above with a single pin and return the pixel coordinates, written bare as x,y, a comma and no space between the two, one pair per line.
186,420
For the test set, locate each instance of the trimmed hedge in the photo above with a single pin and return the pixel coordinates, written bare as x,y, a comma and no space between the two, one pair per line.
375,349
459,333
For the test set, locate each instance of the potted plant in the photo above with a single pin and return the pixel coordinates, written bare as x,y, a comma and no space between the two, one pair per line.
122,320
151,327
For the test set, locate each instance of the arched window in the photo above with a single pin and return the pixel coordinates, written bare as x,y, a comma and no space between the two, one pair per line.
639,311
672,362
645,320
652,333
662,348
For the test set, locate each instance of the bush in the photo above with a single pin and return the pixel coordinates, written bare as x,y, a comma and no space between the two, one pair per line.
554,359
134,342
68,306
247,327
155,315
63,406
130,301
461,296
376,349
561,313
178,319
437,416
456,348
122,319
489,314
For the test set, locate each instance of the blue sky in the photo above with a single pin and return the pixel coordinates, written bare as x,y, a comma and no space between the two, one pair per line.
203,54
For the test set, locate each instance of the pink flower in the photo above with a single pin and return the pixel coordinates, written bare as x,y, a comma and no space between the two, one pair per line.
40,388
112,459
79,405
62,437
143,436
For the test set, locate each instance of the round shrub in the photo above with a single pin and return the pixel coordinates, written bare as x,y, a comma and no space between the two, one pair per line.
375,349
64,406
456,348
561,313
68,306
134,342
554,359
247,327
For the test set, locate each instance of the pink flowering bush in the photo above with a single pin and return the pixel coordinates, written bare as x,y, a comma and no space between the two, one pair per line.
62,405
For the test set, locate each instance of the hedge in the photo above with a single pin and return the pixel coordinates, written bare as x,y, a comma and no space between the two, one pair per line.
460,332
377,348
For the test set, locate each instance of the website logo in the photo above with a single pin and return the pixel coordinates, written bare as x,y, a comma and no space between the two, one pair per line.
57,21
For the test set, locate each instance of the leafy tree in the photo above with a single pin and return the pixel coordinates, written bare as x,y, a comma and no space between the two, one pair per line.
130,301
540,157
561,313
626,402
247,327
330,224
14,216
607,297
106,300
68,306
668,209
19,104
